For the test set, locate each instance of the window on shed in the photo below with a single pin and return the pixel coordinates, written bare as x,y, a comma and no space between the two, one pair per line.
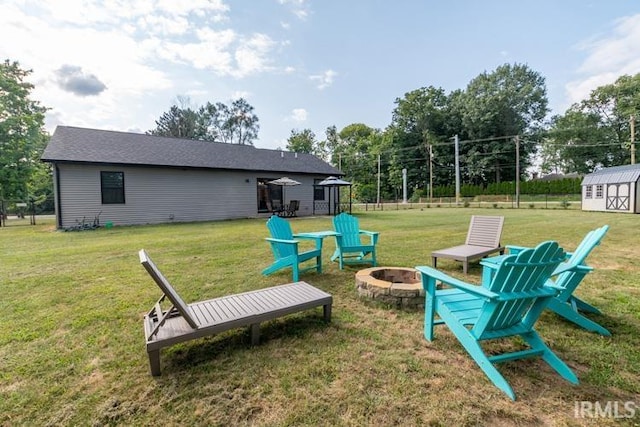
112,187
599,191
588,192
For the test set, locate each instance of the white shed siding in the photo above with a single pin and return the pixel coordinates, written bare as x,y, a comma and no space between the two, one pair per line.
593,203
157,195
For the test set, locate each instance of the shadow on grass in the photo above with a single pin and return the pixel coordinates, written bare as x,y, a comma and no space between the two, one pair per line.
233,343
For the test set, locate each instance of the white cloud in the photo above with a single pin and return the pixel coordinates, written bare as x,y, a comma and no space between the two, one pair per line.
299,8
251,56
325,79
241,94
608,58
299,115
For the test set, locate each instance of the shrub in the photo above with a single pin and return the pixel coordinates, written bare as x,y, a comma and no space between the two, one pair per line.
532,206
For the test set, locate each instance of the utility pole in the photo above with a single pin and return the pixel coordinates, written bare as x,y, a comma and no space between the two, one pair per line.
632,124
430,173
378,198
457,153
517,172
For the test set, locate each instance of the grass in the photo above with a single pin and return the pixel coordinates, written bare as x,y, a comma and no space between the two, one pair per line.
72,347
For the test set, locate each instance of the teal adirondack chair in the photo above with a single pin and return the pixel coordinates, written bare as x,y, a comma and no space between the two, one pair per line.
349,248
507,307
568,276
286,252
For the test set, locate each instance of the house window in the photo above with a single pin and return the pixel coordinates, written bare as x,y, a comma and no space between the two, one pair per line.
588,192
318,190
112,187
599,191
269,195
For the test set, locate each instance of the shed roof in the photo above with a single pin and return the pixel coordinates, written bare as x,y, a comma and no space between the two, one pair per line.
81,145
614,175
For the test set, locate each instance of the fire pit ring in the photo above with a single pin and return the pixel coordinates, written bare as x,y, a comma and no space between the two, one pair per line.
397,286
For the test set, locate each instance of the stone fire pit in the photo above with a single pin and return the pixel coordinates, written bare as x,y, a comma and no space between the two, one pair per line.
397,286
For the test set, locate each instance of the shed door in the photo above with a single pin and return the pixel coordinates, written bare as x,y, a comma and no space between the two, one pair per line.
618,197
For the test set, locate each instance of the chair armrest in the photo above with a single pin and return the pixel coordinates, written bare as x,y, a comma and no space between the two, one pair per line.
373,234
452,281
286,242
515,249
563,268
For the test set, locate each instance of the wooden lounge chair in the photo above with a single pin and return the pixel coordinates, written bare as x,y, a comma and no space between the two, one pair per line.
184,322
507,307
483,238
349,247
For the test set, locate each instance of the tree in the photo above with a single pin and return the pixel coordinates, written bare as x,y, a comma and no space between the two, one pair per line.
22,136
595,133
303,141
512,100
418,129
180,122
233,124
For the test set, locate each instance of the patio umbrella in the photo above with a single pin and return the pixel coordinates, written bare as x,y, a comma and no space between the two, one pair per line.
333,182
284,182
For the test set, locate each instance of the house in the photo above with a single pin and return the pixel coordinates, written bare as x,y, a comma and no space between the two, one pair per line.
130,178
615,189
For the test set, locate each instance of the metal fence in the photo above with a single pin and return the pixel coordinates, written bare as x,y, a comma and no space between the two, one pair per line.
15,212
540,201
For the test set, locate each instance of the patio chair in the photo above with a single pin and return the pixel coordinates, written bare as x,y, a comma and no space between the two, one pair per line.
567,276
292,208
182,322
286,252
483,238
507,307
275,207
349,247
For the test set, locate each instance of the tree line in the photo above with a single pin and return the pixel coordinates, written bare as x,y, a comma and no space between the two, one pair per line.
500,118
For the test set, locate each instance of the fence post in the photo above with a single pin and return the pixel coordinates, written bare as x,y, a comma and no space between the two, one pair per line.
32,216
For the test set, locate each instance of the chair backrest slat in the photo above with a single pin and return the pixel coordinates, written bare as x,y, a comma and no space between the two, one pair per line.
522,277
280,229
166,288
485,231
349,227
569,280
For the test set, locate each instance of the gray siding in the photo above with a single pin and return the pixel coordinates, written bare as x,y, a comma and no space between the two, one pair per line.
158,195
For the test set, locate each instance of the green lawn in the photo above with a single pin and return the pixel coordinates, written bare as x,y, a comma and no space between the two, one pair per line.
72,345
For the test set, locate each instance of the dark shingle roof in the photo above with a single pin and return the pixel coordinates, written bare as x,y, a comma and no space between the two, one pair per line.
72,144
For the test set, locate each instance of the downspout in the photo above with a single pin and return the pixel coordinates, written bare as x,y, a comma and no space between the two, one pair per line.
57,193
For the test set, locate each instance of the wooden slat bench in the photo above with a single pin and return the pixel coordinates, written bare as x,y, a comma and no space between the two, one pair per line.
184,322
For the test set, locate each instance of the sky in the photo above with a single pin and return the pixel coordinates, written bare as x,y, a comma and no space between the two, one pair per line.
302,64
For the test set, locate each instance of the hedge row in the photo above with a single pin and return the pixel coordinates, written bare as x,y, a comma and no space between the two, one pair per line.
559,186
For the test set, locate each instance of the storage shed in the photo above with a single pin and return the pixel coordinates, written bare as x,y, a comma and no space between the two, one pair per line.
615,189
